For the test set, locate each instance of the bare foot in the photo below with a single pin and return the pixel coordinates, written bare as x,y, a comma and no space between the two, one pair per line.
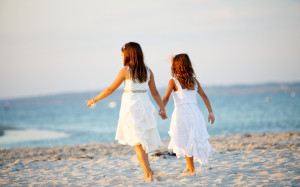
148,178
191,172
186,170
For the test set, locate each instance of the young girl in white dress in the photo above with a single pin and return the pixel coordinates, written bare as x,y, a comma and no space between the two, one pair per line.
137,124
188,132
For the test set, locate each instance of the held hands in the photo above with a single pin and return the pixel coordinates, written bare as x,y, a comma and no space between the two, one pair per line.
90,103
211,118
162,113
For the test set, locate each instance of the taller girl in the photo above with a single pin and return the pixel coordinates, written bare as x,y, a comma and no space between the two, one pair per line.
188,132
137,125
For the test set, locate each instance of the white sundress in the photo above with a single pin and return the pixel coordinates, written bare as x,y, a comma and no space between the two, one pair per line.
138,117
188,129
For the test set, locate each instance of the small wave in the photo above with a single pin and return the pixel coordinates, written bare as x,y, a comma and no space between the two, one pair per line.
21,135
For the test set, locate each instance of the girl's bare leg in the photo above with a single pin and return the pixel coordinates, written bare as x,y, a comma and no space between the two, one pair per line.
147,161
190,165
143,159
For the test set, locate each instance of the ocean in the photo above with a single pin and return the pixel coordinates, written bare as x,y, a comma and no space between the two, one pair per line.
64,119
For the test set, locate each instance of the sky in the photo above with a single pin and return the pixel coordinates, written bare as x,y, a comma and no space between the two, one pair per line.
64,46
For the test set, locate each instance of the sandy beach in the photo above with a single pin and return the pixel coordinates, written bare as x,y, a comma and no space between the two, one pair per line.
269,159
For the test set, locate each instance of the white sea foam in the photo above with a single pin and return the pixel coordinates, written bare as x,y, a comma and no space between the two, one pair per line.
13,136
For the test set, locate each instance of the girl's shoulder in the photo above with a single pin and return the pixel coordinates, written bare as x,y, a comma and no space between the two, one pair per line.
172,83
172,80
125,72
197,82
148,69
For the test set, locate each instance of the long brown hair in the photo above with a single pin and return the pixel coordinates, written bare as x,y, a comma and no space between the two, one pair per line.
182,69
134,59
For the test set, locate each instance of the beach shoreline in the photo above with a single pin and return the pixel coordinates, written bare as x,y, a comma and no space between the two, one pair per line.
18,135
3,129
243,159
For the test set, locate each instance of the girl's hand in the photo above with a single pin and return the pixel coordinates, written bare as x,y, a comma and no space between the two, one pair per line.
90,103
211,118
162,113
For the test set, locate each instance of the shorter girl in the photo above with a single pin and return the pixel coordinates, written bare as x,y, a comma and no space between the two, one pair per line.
188,132
137,124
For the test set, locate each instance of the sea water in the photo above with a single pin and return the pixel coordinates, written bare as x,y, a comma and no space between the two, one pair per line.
64,119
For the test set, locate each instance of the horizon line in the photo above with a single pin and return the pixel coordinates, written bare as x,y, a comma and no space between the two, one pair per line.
158,87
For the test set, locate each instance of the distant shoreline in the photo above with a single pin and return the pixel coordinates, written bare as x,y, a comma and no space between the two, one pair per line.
220,86
292,89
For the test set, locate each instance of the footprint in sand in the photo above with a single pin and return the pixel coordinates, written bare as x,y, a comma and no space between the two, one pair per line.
158,178
160,175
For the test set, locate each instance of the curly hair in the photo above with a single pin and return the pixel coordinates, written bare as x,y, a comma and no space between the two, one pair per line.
134,59
182,70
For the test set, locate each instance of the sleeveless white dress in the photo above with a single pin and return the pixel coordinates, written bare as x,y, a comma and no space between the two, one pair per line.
138,117
188,129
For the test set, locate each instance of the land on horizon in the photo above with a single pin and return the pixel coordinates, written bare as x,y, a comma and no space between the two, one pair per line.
270,87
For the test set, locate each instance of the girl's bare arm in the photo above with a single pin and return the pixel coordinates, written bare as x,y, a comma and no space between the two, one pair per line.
211,116
170,88
108,91
156,96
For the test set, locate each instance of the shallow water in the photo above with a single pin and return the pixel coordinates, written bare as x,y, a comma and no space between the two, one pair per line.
238,109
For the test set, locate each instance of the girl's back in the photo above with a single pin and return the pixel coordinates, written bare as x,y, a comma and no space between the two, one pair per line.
183,96
188,128
188,131
137,120
131,85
